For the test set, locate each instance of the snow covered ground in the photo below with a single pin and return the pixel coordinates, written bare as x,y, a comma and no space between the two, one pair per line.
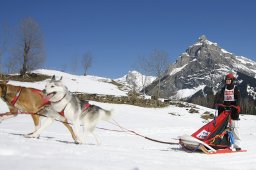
55,149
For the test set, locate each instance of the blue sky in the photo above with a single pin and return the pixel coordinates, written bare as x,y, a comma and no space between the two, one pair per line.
117,32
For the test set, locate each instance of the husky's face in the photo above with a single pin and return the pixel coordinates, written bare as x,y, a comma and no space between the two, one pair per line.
55,90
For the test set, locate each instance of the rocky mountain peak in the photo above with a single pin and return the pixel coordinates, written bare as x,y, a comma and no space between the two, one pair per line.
203,64
202,38
134,80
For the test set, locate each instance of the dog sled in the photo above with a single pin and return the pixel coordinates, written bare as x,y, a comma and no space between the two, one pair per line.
213,138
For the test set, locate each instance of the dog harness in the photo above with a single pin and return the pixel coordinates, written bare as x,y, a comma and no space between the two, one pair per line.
15,99
45,98
86,106
62,112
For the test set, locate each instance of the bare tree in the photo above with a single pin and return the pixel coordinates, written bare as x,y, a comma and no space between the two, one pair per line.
29,48
11,65
143,66
158,62
73,65
86,62
1,54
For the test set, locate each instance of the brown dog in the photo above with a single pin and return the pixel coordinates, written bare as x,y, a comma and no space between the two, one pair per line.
27,100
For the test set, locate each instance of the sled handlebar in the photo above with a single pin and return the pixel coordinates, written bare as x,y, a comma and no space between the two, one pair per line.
226,107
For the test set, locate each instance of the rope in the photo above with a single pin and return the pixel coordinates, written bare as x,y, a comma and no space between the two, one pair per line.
115,123
20,112
110,129
8,113
215,137
148,138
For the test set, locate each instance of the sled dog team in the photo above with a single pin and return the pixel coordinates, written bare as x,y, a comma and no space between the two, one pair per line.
55,102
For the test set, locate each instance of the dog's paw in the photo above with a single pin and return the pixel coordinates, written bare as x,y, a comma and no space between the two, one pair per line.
77,141
31,135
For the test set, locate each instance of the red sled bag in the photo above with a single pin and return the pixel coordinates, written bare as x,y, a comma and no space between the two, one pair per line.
215,133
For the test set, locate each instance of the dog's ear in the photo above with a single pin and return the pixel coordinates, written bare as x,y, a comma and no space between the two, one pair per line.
53,78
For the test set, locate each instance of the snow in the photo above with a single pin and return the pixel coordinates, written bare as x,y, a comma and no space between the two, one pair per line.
135,79
199,43
245,60
184,54
225,51
55,149
194,60
185,93
250,90
176,70
84,84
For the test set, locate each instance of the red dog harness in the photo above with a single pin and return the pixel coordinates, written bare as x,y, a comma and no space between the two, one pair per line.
86,106
13,102
45,98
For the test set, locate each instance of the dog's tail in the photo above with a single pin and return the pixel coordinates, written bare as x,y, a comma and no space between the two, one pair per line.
108,114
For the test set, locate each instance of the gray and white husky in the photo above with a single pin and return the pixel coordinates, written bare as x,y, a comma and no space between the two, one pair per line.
65,106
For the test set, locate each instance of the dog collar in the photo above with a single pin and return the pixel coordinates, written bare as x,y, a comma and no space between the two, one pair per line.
60,99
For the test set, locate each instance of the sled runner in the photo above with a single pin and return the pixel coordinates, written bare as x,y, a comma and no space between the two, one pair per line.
213,138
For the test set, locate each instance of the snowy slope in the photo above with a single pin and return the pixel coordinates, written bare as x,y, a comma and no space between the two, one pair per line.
85,84
119,150
135,79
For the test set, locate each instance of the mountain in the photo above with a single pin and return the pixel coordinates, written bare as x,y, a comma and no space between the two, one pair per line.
202,68
134,80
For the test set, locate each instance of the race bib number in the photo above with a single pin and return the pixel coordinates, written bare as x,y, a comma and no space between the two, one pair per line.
229,95
203,134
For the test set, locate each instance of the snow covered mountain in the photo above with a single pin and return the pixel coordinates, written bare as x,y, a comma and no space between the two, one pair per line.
135,80
201,68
